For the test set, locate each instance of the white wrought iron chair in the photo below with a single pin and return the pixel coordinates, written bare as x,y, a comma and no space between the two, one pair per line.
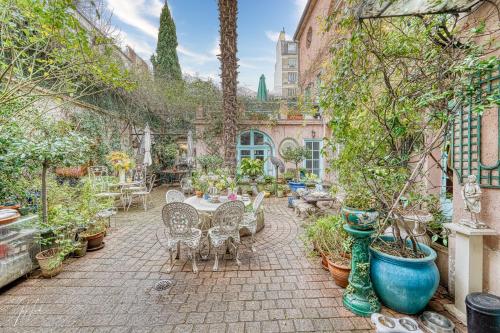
144,193
250,219
180,220
98,178
139,176
227,219
174,196
187,185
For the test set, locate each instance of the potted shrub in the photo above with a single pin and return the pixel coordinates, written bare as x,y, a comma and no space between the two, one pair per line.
281,191
358,208
311,180
294,114
94,234
334,245
296,155
50,262
80,248
252,167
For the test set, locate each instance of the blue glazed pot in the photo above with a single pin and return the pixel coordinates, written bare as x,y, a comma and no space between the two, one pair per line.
360,219
294,186
402,284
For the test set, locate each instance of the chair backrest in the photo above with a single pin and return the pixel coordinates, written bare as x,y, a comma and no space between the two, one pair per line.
258,202
150,182
186,183
228,216
174,196
139,174
97,171
98,178
179,218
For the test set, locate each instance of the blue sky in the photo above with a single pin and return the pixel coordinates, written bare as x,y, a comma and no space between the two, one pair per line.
259,22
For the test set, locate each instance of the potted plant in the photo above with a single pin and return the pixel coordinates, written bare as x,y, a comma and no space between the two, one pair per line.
294,114
311,180
296,155
252,167
94,235
50,262
358,208
334,245
280,193
80,248
122,163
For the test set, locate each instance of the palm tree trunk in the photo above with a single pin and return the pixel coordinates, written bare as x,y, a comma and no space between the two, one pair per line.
228,10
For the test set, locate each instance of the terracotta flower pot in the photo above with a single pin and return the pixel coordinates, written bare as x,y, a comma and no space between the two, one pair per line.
94,241
75,172
340,273
199,194
324,261
49,262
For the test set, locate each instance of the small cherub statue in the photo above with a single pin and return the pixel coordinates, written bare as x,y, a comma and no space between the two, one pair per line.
471,194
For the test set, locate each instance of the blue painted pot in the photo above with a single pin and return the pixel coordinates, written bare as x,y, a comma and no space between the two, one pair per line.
290,201
360,219
402,284
294,186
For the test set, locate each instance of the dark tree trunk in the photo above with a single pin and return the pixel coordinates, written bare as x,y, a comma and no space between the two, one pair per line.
228,10
44,192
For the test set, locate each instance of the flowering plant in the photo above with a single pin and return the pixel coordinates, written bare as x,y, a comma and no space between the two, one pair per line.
120,161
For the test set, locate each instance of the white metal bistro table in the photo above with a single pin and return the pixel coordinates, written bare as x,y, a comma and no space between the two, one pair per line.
206,208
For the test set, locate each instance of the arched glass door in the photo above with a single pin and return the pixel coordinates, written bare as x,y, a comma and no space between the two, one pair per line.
256,144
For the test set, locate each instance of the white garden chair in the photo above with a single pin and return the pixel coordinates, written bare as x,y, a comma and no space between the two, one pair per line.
187,185
250,219
144,194
180,220
174,196
227,219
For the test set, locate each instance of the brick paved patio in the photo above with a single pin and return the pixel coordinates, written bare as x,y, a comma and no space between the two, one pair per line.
277,289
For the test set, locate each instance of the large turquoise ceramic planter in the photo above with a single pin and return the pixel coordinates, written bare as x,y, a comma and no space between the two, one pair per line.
360,219
404,285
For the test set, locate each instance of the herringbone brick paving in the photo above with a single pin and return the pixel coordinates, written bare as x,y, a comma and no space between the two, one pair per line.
277,289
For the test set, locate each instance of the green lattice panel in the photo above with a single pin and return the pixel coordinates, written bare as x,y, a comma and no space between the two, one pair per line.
467,127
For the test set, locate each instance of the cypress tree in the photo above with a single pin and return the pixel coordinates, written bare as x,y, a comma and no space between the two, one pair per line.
165,61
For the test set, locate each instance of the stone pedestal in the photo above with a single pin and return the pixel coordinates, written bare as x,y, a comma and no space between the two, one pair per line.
468,265
359,296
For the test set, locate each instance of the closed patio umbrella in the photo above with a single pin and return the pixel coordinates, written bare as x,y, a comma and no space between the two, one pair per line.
262,90
190,149
147,146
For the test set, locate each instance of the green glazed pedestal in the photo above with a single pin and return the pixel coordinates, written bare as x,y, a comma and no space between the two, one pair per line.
359,296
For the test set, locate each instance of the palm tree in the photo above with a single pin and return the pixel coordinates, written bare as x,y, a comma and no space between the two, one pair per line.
228,10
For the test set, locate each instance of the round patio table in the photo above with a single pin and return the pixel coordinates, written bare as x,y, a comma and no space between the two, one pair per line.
206,209
205,206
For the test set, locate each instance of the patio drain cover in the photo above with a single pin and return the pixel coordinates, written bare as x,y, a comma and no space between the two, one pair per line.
164,284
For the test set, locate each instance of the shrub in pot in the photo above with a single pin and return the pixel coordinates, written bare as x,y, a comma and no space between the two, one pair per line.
80,248
252,168
403,283
50,262
296,155
358,209
94,234
334,245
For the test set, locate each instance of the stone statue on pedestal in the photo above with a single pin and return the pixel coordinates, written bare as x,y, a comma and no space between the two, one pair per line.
471,194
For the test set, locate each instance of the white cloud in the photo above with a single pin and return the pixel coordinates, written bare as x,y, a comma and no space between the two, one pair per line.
215,51
141,47
274,35
300,5
156,7
134,13
199,58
